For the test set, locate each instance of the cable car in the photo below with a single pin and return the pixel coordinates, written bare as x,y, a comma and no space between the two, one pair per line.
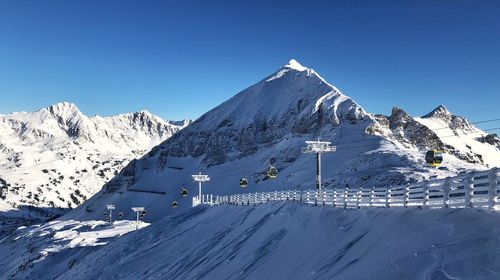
175,204
272,172
243,182
184,192
434,158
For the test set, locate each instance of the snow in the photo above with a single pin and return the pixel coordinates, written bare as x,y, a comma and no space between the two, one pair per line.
54,242
463,141
57,157
294,64
268,122
285,241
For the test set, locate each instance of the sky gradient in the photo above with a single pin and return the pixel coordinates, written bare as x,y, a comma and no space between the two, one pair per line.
179,59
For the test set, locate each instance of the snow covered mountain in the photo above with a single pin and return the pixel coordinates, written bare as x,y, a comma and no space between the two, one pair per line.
57,157
269,122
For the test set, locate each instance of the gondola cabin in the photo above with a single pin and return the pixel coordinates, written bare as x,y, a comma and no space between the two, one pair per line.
272,172
184,192
243,182
434,158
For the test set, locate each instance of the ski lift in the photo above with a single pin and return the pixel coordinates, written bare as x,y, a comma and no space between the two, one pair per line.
105,214
175,204
272,172
120,215
434,158
243,182
143,213
184,192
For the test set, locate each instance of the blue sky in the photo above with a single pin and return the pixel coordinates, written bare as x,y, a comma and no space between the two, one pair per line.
178,59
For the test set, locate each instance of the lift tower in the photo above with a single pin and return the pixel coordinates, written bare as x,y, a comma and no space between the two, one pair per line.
318,147
200,179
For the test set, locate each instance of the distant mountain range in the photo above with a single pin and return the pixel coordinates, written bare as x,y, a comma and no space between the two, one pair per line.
57,157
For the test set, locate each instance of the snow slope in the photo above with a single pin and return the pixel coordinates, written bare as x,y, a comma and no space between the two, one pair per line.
57,157
269,122
56,245
281,241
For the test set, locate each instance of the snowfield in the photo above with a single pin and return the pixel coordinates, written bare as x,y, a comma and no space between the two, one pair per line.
279,241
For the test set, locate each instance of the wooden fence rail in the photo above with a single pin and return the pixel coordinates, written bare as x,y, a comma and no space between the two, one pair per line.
476,190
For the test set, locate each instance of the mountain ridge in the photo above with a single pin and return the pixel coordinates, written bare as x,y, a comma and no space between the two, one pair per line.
57,157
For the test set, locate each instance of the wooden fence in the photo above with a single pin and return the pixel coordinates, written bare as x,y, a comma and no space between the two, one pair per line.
476,189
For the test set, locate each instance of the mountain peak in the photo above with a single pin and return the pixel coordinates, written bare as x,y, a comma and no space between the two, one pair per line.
294,64
64,106
65,110
439,111
145,112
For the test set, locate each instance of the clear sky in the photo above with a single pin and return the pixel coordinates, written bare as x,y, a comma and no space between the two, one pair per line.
178,59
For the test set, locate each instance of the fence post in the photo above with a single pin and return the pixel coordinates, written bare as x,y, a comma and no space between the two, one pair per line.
372,196
345,197
388,197
492,191
334,197
323,199
358,198
406,195
468,190
446,193
425,193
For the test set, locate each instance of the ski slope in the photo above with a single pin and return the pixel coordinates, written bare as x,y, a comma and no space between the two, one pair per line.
285,241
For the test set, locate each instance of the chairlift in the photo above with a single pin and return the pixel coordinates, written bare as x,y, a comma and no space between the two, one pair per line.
175,204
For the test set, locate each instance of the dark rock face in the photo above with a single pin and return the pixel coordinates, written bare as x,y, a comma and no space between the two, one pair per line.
3,189
408,131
